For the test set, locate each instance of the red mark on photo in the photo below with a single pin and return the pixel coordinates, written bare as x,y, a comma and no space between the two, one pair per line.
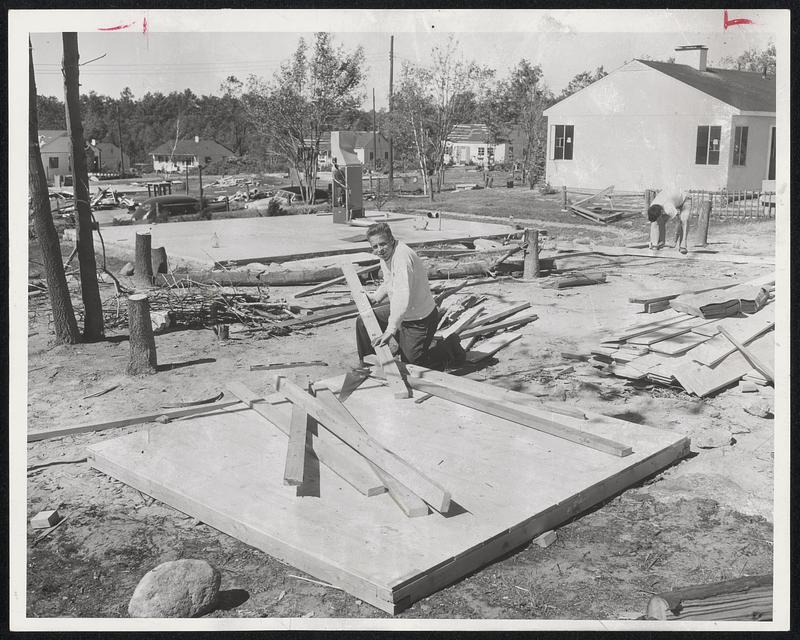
732,22
144,25
119,27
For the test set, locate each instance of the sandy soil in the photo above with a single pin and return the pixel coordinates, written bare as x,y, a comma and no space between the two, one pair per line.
707,518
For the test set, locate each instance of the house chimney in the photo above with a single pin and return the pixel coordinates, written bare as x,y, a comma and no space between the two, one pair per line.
693,55
196,139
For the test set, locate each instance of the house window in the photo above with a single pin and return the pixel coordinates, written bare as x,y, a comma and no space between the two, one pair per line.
563,135
708,141
208,159
739,146
385,155
481,151
371,155
52,162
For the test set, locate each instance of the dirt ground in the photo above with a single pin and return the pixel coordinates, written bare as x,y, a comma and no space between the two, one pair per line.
707,518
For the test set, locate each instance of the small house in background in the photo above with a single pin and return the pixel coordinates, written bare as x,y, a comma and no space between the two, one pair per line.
650,124
107,158
367,147
472,144
188,153
56,150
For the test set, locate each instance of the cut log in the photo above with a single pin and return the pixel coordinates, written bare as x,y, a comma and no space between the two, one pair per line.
436,496
142,342
143,262
158,259
747,598
575,280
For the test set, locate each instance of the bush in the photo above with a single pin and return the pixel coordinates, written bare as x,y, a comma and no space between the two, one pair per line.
274,209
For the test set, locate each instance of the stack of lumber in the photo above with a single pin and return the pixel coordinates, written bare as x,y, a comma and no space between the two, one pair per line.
653,303
747,598
721,303
693,352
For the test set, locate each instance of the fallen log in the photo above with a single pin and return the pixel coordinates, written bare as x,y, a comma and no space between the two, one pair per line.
747,598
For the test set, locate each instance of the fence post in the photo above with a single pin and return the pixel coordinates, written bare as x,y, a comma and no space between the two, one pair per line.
564,198
701,239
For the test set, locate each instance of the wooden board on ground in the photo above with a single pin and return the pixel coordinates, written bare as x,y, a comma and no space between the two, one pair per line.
667,332
510,484
743,329
488,348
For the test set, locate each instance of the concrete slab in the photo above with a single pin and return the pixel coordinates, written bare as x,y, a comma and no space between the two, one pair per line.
280,239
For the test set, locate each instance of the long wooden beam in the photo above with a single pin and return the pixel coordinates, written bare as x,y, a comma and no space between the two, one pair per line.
129,420
415,480
525,416
328,283
328,449
410,503
385,358
671,255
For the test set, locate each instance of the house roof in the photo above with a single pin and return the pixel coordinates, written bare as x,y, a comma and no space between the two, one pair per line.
192,148
106,146
363,140
51,136
744,90
467,133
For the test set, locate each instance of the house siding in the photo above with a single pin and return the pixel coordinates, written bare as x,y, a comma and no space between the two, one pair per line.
637,129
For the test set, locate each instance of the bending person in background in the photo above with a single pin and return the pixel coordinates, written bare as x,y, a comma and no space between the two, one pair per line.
667,205
410,318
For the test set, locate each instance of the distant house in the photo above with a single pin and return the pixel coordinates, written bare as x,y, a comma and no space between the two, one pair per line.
650,124
107,158
188,153
367,147
56,150
472,143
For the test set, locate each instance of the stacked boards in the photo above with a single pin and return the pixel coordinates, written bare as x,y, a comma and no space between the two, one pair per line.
693,352
507,483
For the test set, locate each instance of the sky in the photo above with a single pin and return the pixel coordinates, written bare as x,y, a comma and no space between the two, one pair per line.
200,60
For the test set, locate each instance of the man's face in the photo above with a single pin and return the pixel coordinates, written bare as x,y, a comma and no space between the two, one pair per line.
382,246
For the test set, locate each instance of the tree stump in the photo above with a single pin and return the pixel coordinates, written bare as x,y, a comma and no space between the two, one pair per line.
531,262
143,265
143,344
158,259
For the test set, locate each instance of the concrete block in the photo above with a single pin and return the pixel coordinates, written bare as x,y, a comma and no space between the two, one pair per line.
45,519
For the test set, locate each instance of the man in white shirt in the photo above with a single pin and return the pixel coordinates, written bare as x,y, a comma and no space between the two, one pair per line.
411,317
669,203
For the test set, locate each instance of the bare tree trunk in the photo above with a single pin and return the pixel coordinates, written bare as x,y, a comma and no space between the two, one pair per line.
64,323
143,343
90,292
143,261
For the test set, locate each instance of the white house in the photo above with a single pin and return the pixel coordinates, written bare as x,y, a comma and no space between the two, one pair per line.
367,147
108,157
188,153
471,144
650,124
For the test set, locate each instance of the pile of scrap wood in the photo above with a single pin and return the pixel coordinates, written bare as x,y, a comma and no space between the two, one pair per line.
735,297
701,355
585,207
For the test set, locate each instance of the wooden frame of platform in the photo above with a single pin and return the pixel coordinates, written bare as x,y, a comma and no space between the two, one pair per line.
508,482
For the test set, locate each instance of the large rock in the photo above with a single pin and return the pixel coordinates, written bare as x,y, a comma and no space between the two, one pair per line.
176,589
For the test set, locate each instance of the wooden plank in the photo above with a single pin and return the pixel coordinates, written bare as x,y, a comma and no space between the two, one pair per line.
466,319
385,358
500,315
415,480
410,503
678,344
641,329
762,367
521,415
129,420
324,285
668,332
744,330
339,313
294,470
488,348
670,255
328,449
524,318
594,196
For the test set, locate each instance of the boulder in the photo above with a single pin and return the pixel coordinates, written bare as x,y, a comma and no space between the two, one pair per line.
176,589
127,269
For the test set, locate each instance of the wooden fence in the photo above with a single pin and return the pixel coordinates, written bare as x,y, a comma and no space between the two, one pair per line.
743,204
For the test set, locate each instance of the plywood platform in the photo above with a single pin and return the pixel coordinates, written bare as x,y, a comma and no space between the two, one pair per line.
278,239
509,483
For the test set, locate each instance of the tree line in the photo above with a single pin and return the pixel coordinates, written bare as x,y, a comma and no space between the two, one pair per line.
320,88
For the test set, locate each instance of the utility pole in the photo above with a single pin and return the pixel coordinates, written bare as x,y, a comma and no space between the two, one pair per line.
374,135
90,292
391,79
121,152
200,172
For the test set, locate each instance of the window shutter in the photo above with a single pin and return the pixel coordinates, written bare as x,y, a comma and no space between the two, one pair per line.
743,147
701,156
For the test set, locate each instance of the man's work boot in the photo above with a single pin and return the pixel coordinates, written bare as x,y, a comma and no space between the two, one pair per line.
455,352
